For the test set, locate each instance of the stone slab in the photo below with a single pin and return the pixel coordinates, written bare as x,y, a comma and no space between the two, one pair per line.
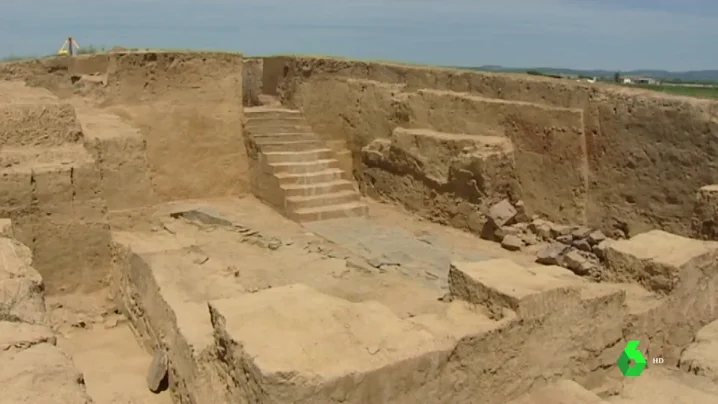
394,247
372,355
658,259
502,284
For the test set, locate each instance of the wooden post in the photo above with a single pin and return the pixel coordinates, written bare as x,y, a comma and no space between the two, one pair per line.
70,49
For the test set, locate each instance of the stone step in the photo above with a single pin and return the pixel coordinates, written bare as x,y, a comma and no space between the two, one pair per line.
304,166
659,260
502,284
290,146
297,156
344,210
271,113
337,145
323,188
296,203
283,137
326,175
277,127
292,119
293,116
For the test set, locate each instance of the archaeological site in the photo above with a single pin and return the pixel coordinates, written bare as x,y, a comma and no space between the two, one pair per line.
210,228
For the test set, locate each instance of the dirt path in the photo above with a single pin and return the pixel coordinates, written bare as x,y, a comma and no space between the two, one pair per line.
114,365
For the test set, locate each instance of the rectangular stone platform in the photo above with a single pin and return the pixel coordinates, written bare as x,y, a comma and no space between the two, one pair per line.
285,334
291,323
659,260
502,284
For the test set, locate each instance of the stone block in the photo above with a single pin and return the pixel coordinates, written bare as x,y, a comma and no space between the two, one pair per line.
657,259
502,213
502,284
157,371
701,357
373,354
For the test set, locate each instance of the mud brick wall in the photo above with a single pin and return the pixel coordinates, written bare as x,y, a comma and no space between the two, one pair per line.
646,153
191,120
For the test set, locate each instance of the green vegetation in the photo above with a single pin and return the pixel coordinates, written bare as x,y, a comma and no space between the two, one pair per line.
538,73
685,90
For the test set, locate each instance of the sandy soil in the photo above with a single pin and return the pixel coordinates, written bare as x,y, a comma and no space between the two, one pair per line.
113,363
92,163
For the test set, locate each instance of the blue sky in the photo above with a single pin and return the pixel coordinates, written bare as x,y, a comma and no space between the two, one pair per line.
608,34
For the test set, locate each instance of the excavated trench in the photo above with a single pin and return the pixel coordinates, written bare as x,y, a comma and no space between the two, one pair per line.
153,254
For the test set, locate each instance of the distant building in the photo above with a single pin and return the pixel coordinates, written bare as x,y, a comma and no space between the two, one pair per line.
640,80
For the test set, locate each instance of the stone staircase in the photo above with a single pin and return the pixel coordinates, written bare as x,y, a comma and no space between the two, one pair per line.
295,171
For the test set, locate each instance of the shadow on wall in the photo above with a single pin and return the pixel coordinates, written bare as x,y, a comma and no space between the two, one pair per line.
615,158
252,81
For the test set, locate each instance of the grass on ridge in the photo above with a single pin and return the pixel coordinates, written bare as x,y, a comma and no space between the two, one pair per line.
684,90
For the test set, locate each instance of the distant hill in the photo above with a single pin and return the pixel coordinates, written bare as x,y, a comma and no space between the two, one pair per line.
688,76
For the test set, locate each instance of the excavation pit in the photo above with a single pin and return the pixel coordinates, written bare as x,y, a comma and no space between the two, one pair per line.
162,242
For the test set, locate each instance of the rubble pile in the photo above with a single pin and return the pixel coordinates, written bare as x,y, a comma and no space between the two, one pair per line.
577,248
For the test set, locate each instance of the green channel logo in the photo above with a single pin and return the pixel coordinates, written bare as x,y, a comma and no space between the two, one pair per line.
631,362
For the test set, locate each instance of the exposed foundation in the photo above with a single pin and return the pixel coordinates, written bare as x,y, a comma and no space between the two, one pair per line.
221,209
